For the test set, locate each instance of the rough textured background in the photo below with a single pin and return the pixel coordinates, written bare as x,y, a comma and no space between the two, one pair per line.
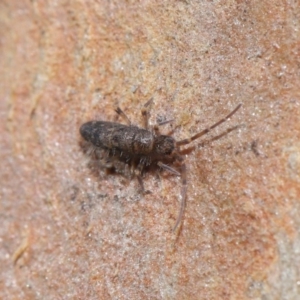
68,234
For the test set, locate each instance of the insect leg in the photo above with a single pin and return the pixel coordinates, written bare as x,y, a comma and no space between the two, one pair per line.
120,112
168,168
140,180
145,113
165,122
205,131
183,191
156,127
138,173
182,174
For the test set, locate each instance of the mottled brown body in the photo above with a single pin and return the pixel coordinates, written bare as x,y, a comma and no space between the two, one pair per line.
139,143
141,148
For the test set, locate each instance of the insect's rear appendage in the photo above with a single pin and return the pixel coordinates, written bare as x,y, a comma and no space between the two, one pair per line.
143,147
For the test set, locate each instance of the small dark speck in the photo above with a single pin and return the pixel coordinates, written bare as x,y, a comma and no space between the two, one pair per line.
254,148
74,193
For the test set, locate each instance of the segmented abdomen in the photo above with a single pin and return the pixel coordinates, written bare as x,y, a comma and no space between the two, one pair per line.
109,135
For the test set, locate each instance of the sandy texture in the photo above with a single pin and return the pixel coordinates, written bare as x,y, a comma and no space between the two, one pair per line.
68,233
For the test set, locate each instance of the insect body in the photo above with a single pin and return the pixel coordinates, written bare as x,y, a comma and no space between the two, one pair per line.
140,143
143,147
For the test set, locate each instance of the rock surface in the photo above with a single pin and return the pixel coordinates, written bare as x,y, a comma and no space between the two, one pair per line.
68,233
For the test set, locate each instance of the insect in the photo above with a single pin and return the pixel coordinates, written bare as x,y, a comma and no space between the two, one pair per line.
141,148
